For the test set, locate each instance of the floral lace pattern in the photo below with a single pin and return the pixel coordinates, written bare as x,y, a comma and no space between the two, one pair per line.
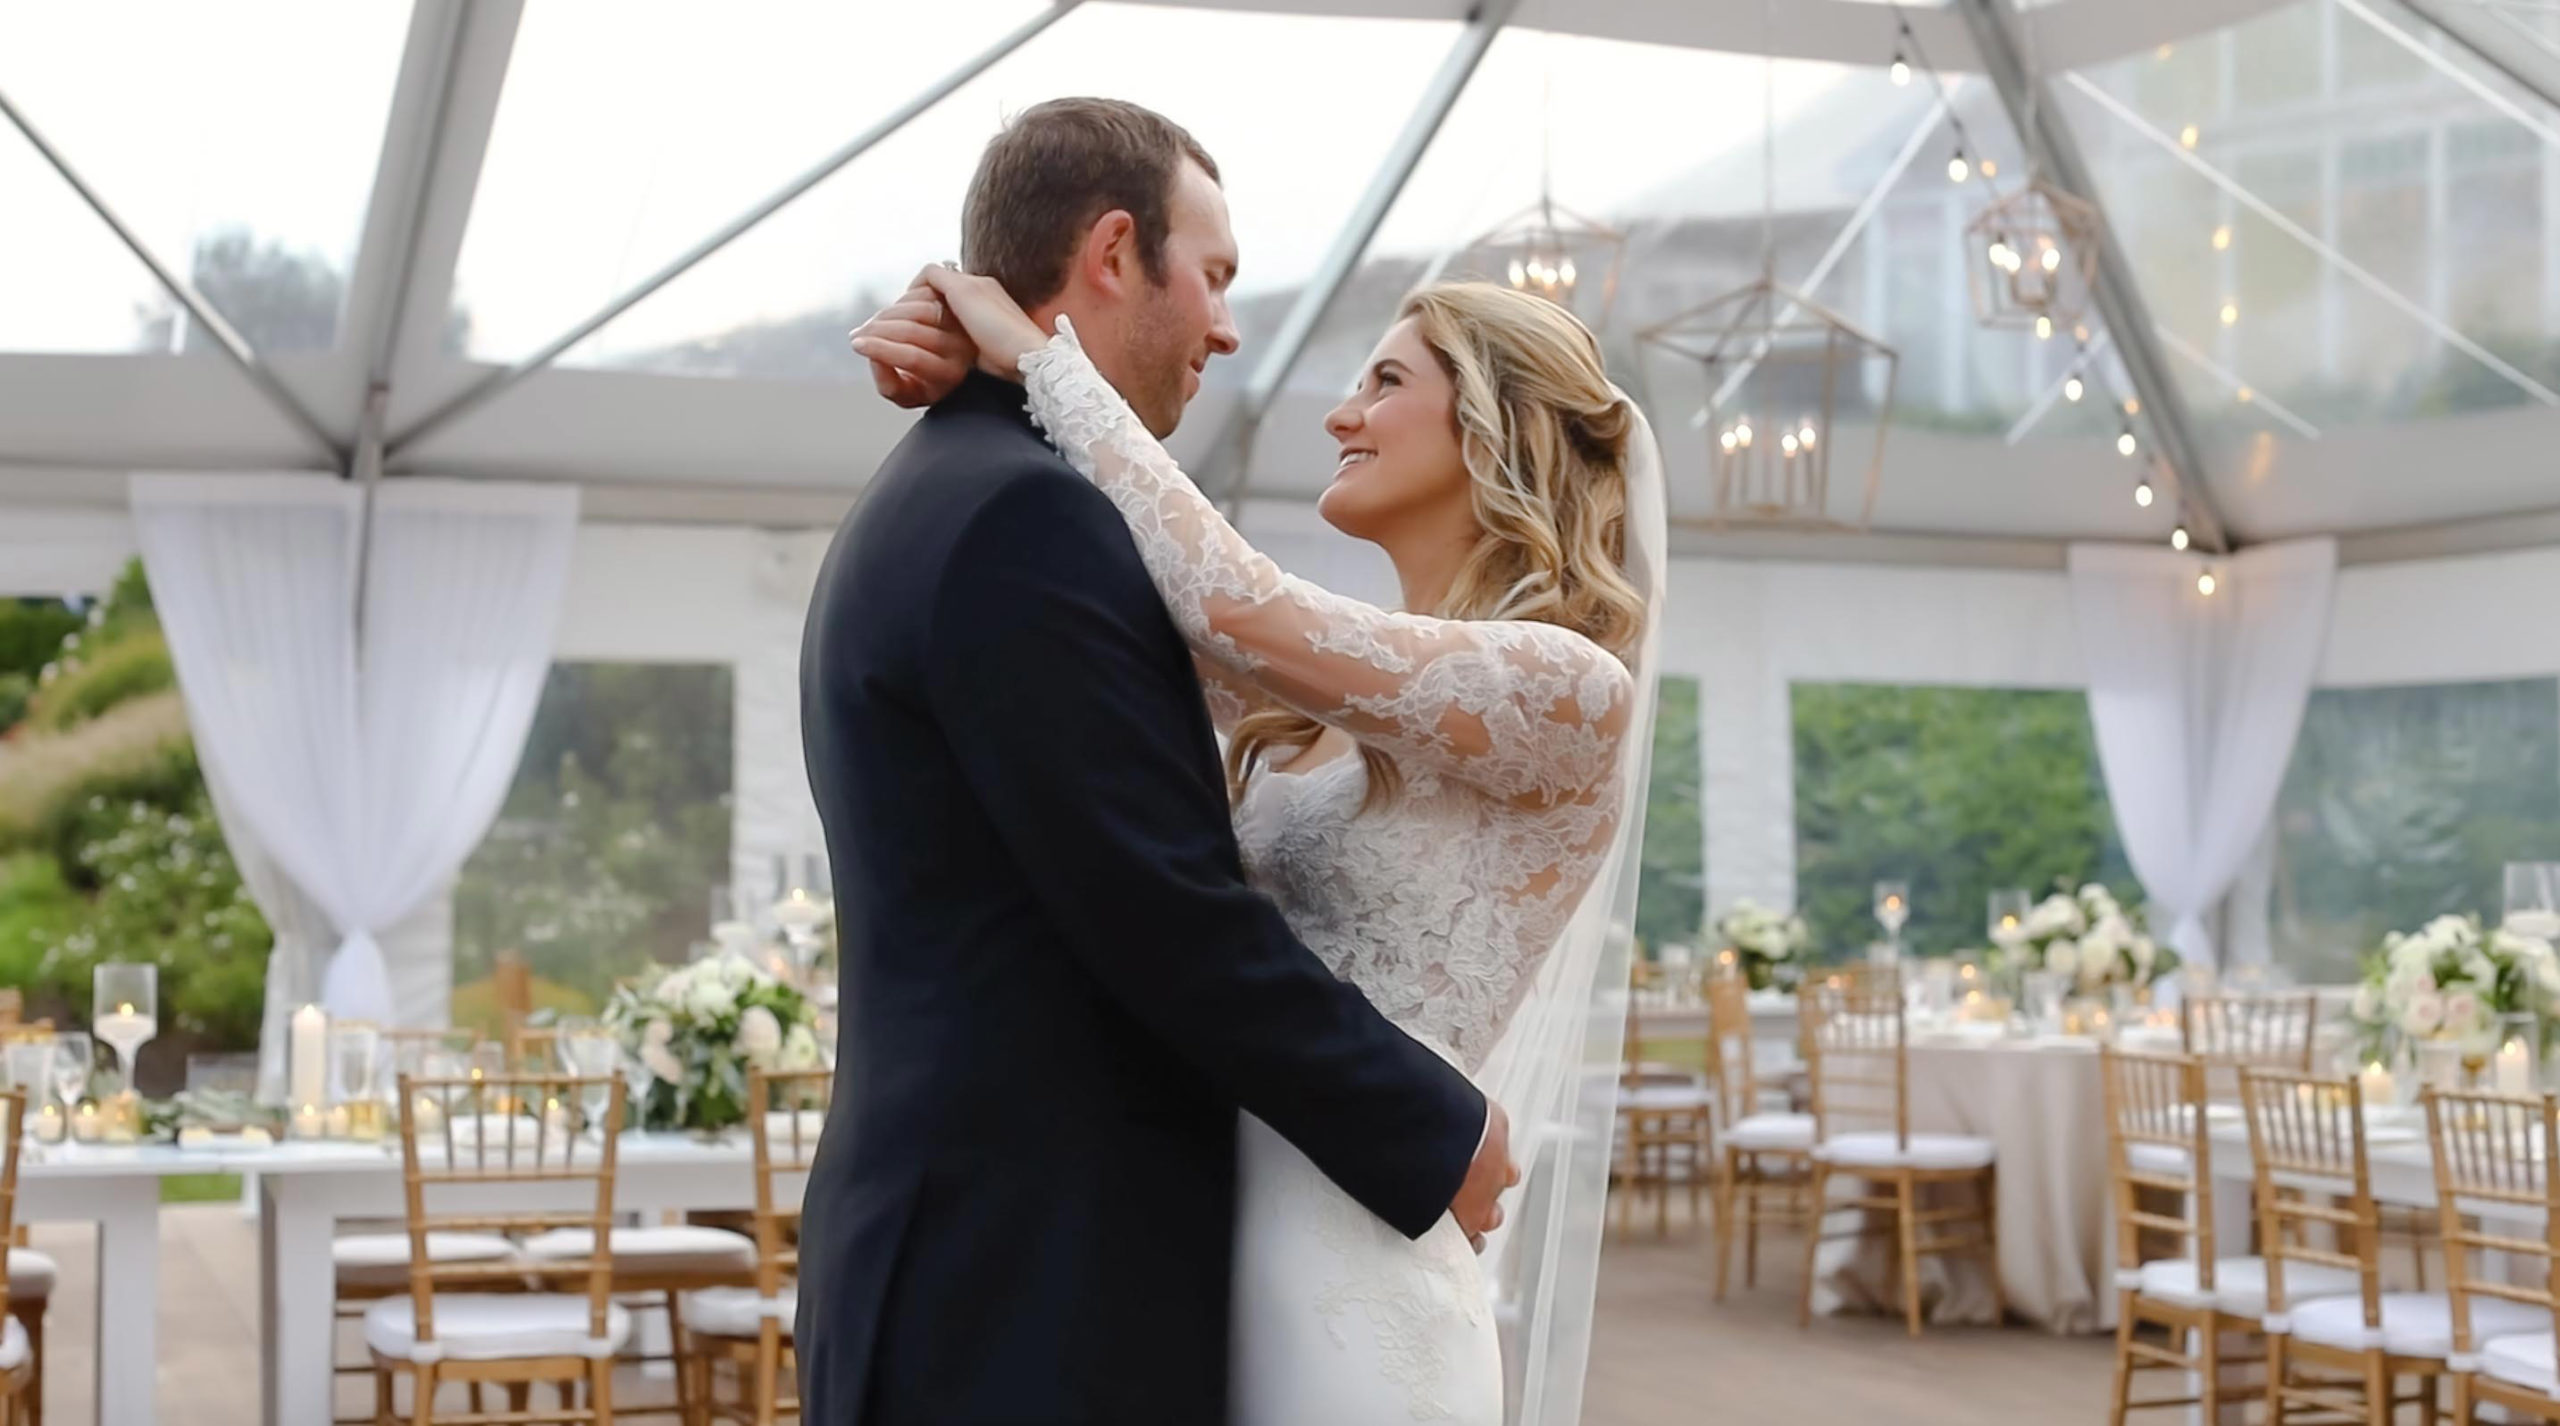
1442,905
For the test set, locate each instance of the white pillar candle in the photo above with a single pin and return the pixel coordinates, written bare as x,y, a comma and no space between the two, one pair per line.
2375,1080
2515,1068
309,1122
307,1058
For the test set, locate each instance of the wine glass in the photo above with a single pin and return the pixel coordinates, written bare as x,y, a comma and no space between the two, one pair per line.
74,1058
591,1052
1893,911
125,1005
2533,899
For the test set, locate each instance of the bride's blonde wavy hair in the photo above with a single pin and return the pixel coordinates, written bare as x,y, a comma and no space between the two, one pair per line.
1544,437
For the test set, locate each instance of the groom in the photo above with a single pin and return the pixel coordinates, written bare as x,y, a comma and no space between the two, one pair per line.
1058,989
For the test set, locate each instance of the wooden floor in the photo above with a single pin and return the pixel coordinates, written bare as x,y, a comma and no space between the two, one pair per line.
1663,1354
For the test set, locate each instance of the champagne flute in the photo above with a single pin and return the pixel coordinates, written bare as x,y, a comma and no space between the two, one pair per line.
74,1058
591,1053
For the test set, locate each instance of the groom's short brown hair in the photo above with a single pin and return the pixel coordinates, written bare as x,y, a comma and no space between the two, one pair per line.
1056,168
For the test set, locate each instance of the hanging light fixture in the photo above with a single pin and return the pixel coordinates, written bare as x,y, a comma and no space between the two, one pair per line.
2125,444
2041,259
1956,167
2072,389
1548,249
2206,584
2178,538
1772,360
1901,70
2142,492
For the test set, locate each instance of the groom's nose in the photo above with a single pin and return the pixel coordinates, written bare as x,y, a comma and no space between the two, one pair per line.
1223,340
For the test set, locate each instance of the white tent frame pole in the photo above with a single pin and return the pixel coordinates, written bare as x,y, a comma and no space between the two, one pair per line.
2538,78
234,346
2084,362
2117,294
1231,453
2473,84
497,382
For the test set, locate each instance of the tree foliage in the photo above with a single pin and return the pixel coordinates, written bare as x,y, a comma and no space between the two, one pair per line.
1957,791
1671,898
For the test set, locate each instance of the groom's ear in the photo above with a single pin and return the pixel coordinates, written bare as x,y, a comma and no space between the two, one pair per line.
1108,261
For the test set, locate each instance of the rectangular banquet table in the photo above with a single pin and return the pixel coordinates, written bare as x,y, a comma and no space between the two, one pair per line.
304,1189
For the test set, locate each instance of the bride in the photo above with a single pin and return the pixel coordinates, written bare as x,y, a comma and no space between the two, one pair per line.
1427,796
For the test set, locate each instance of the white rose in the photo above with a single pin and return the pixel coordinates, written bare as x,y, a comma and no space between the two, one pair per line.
800,1049
2463,1013
2062,957
709,999
2406,952
2422,1014
656,1035
2145,955
759,1035
662,1063
2368,1003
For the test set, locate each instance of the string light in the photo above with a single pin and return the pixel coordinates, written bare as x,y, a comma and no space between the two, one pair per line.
2125,444
2071,388
2230,313
2205,584
2080,333
2142,494
2133,406
2222,238
1990,169
2044,327
1956,169
2246,395
2163,52
1901,70
2187,136
1804,437
2178,538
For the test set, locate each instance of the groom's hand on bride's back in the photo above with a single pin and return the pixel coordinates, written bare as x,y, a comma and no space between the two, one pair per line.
1478,1206
917,350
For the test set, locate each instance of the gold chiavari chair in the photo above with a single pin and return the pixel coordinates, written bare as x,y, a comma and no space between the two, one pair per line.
1858,1061
1761,1155
548,1322
2160,1155
2314,1180
31,1274
373,1263
750,1328
1665,1119
2493,1182
2228,1032
18,1382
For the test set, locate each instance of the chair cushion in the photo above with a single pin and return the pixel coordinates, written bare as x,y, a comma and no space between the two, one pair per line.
1760,1132
2524,1359
2164,1160
2414,1324
1924,1151
31,1275
382,1259
2240,1284
490,1327
736,1311
14,1349
667,1248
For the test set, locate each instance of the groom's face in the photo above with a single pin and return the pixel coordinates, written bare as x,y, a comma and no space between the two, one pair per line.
1177,325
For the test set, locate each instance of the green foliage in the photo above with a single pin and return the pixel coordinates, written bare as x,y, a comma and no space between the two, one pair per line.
2404,804
475,1004
1958,791
15,689
200,1188
602,861
1671,897
31,633
96,676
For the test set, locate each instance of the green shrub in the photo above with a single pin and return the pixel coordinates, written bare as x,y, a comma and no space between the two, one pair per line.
15,689
475,1004
96,676
31,633
140,748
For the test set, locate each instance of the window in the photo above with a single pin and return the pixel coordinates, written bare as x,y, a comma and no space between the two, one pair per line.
1957,791
2406,803
602,861
1671,896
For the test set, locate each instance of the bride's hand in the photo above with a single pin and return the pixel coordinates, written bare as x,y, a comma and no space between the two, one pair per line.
991,318
918,354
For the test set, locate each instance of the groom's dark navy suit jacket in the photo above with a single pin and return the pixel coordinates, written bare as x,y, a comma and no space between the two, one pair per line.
1057,989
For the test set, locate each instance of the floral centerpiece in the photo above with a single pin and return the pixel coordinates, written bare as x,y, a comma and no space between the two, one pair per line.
695,1033
2452,982
2090,938
1768,945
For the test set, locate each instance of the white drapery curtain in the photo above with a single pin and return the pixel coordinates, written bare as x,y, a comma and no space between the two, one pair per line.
362,772
2196,699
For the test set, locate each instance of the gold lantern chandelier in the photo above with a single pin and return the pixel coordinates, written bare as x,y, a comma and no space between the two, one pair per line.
1789,386
2035,259
1553,252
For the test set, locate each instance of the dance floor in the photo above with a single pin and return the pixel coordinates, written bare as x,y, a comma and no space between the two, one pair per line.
1665,1356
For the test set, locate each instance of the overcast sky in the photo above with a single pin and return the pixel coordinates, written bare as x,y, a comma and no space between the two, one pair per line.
627,130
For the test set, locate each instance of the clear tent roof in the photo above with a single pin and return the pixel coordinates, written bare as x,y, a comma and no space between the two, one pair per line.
2338,217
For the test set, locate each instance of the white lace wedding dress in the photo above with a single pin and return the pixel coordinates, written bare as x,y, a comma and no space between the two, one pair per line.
1439,905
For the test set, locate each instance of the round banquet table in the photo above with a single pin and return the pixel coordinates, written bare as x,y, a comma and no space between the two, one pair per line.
2038,1101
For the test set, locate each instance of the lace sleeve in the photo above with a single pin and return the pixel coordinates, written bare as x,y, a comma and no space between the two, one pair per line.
1526,711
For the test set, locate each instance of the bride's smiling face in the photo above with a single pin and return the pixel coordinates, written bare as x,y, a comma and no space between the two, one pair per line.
1400,467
